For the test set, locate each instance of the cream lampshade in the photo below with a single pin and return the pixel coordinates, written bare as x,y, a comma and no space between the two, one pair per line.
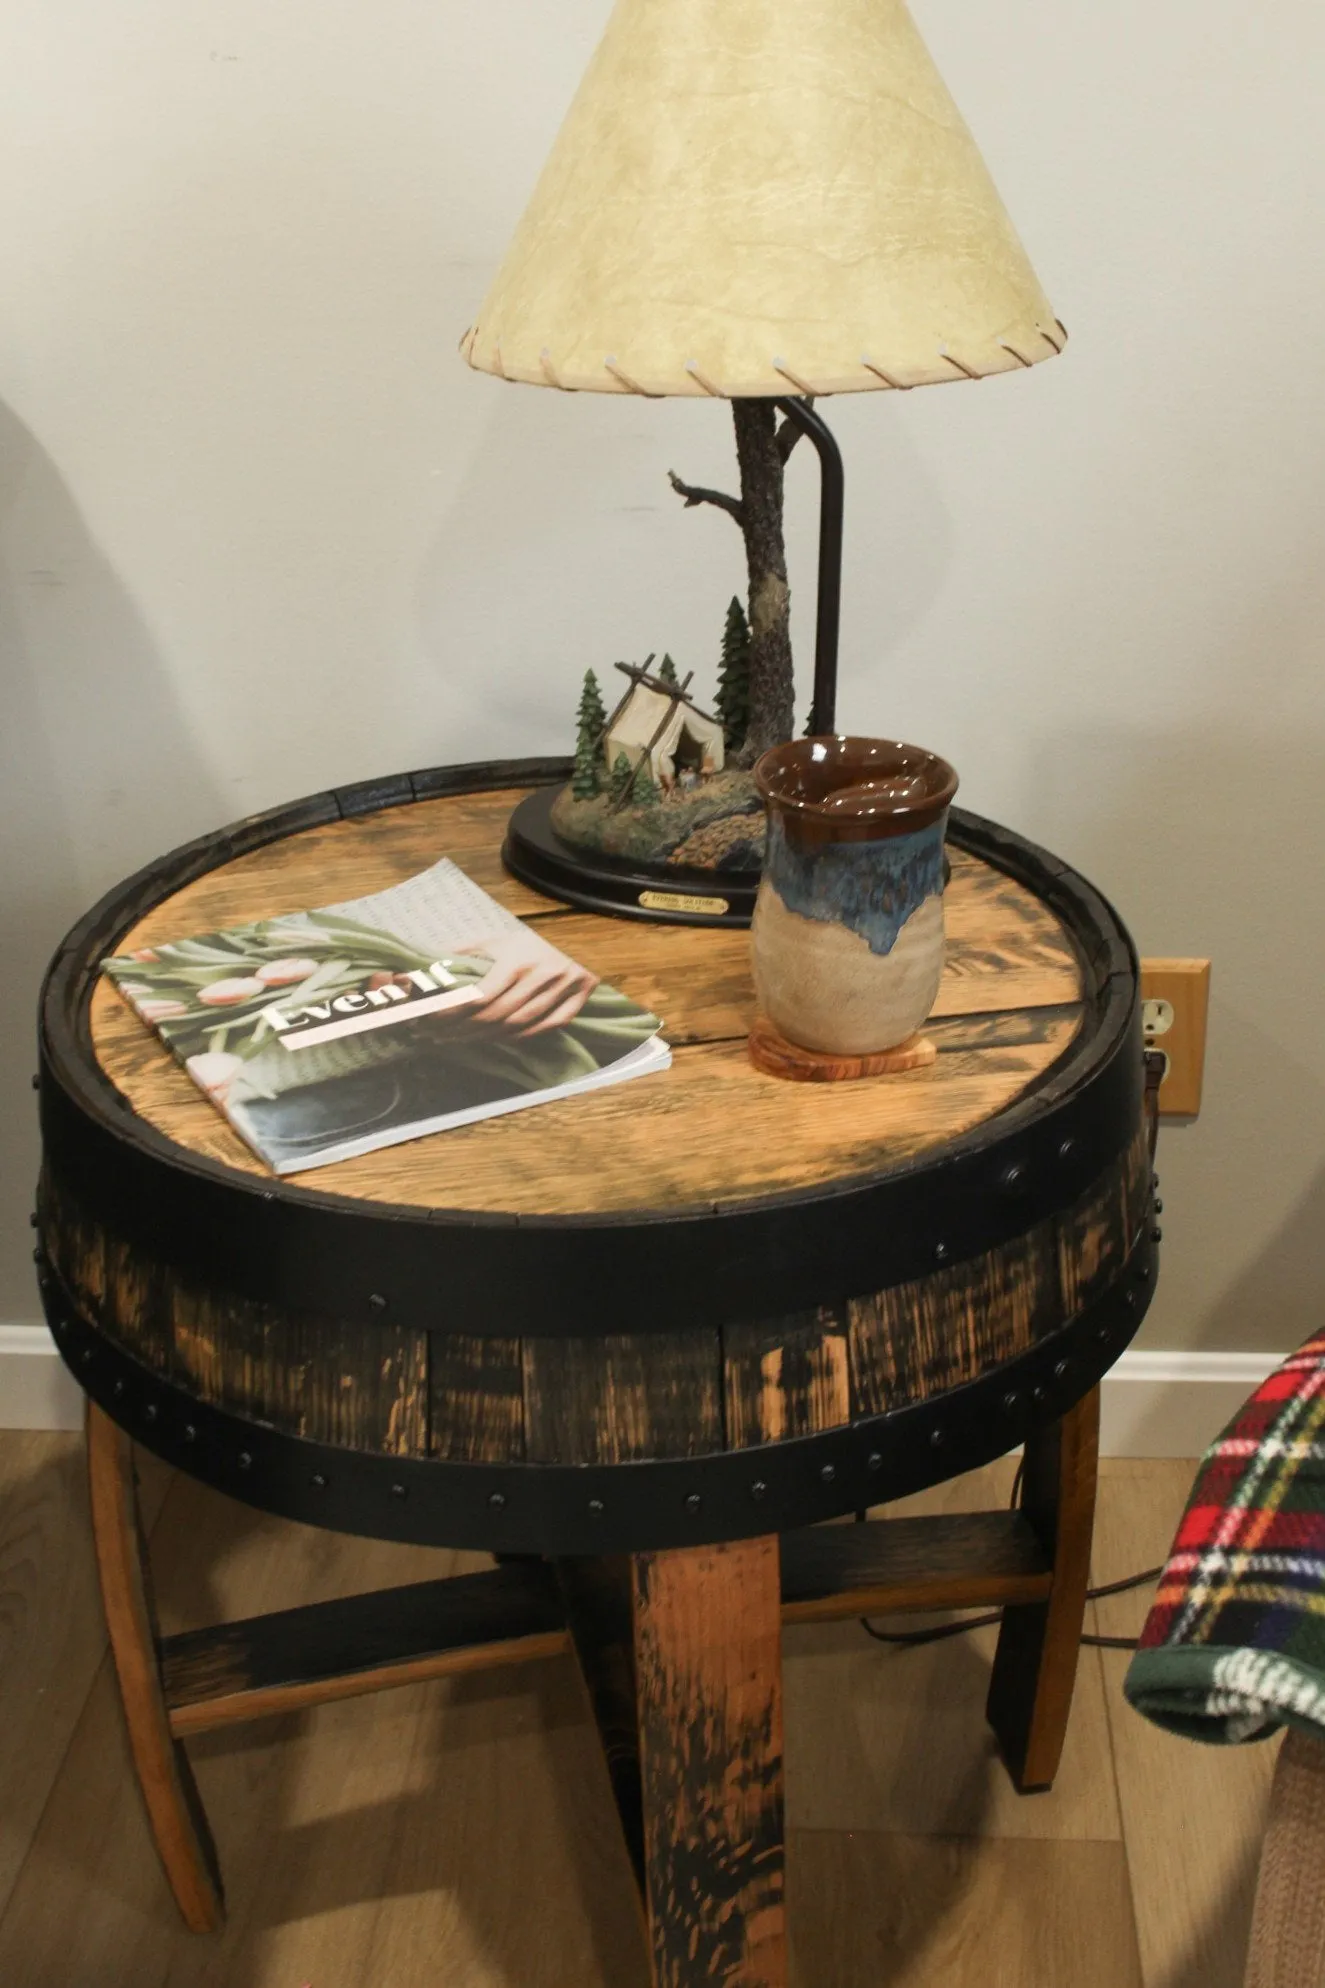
762,197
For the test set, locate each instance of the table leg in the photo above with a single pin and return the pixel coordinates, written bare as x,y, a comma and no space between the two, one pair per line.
1035,1665
708,1662
174,1809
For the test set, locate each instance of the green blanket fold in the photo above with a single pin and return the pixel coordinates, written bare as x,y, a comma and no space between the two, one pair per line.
1234,1646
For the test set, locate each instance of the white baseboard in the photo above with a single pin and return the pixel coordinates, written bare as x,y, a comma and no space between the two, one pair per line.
1153,1404
1175,1404
36,1391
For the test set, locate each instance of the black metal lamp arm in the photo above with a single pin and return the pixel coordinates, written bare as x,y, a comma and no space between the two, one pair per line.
823,710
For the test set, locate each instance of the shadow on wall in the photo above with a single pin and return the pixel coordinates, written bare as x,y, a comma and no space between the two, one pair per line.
561,549
1208,842
1279,1298
98,773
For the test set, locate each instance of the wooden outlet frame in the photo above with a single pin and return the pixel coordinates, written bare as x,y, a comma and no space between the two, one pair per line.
1185,984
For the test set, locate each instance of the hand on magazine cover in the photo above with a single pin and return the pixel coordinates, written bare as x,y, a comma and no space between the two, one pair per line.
532,987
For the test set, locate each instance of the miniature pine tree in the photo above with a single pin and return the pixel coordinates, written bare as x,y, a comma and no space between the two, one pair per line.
586,781
620,776
667,672
646,789
733,700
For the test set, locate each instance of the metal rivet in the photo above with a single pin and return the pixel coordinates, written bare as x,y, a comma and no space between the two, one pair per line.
940,1252
245,1460
190,1433
828,1473
1154,1180
87,1355
36,1083
1014,1175
1156,1234
758,1489
150,1411
874,1461
1037,1394
1102,1333
1143,1272
1157,1205
377,1301
400,1491
693,1501
118,1389
497,1502
319,1481
1060,1370
32,1219
936,1439
1011,1400
596,1508
36,1256
1066,1148
1129,1299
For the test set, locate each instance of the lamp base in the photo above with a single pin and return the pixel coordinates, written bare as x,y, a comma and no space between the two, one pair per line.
665,893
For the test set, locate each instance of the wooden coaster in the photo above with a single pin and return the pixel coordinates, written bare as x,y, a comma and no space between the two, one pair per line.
772,1053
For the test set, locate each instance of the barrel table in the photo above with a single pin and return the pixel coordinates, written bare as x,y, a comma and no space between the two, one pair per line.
639,1345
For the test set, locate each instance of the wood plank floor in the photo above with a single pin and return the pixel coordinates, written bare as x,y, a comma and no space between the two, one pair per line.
461,1834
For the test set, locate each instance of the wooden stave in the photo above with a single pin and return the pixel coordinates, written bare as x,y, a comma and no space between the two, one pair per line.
517,1264
620,1400
572,1509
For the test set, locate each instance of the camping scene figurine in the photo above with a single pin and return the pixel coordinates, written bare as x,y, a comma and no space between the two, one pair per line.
658,778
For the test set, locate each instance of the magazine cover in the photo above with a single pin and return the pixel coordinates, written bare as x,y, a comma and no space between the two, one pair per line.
324,1034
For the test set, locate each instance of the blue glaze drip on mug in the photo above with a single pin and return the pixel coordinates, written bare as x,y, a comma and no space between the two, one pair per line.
871,887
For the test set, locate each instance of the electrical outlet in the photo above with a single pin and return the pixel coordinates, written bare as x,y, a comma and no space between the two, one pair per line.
1176,995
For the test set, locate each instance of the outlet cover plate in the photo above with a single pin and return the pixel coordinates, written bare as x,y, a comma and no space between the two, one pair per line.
1176,993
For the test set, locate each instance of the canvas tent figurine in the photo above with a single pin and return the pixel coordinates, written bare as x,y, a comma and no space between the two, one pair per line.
654,777
761,204
662,733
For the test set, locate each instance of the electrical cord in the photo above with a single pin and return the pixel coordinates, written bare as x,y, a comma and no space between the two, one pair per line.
912,1638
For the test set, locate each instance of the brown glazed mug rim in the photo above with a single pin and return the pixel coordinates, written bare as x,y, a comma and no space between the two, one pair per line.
859,758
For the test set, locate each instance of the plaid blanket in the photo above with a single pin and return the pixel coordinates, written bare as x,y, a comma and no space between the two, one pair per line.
1234,1646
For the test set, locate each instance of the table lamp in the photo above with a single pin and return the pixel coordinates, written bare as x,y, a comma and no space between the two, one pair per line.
764,204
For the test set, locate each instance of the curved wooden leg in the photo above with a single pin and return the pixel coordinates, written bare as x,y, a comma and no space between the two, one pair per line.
174,1810
1035,1665
708,1662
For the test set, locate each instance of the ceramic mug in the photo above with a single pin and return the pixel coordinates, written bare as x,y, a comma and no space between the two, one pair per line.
848,924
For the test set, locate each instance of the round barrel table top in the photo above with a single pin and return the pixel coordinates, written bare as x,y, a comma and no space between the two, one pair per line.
711,1129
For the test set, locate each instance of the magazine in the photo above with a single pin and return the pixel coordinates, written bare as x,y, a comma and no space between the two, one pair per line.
325,1034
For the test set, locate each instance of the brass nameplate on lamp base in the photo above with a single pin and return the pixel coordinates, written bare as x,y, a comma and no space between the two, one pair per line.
674,900
776,1057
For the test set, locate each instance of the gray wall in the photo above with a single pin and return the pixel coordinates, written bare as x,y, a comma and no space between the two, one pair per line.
260,530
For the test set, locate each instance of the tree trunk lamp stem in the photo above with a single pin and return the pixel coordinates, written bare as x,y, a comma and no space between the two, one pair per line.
823,710
761,456
762,449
